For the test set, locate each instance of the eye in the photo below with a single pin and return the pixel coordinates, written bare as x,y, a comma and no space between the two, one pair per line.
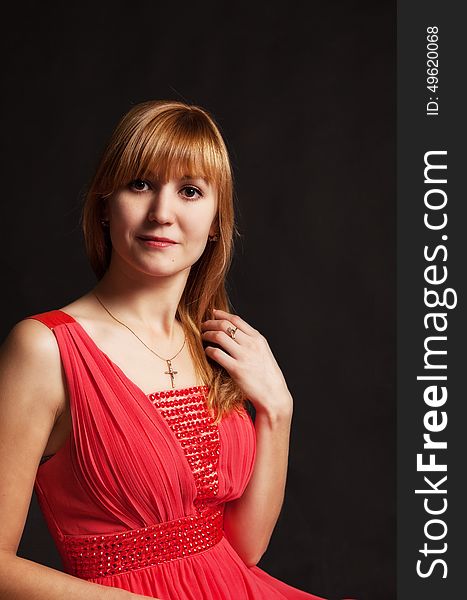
191,191
139,185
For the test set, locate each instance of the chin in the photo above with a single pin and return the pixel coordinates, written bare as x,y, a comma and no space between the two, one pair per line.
169,271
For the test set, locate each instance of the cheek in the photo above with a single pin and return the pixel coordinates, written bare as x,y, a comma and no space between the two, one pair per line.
125,217
197,227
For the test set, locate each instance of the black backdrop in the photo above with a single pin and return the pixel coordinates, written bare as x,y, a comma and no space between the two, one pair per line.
304,94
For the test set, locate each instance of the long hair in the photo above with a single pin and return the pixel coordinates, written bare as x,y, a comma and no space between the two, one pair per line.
171,139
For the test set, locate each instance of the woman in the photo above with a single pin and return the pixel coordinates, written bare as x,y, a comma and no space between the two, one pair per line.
126,407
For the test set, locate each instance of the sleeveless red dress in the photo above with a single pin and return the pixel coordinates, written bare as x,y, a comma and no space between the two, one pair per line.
134,499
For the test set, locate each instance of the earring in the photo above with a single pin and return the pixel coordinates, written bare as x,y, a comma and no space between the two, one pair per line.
104,223
213,238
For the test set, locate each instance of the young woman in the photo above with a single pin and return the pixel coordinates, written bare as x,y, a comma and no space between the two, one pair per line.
126,409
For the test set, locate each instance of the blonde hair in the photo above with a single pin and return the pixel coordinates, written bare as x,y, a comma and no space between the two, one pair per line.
173,139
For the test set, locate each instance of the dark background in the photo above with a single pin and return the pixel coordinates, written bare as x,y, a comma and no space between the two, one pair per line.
304,94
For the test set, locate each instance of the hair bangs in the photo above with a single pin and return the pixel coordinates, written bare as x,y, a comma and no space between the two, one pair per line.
184,145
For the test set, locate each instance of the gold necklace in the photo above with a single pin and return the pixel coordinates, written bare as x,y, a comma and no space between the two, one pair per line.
170,371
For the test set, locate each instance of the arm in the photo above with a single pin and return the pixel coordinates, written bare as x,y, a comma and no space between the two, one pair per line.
250,520
29,406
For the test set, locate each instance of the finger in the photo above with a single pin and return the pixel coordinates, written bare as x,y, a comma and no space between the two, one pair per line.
235,320
224,340
221,357
221,325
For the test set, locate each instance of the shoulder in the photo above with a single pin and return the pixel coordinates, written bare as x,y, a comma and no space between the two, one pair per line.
31,338
30,364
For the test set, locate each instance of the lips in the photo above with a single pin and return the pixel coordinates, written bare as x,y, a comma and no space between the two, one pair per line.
156,239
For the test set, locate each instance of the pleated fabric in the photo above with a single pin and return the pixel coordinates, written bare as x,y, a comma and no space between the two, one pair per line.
127,466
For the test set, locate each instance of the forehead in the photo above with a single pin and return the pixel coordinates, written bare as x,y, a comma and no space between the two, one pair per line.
180,176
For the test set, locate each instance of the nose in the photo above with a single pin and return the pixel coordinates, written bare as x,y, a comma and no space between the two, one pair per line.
161,207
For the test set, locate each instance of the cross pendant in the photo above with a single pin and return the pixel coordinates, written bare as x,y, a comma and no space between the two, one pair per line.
171,372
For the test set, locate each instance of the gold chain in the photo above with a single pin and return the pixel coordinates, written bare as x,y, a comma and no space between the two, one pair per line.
170,372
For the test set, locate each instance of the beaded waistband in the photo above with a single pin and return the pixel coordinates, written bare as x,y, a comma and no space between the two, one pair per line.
93,556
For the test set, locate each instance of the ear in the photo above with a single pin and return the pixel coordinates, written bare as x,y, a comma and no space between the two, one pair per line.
214,229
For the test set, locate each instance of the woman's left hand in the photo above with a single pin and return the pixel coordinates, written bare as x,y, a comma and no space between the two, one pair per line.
248,360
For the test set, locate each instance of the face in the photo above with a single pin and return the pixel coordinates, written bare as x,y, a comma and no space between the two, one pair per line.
182,210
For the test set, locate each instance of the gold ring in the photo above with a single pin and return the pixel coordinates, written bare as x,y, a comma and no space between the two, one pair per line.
231,331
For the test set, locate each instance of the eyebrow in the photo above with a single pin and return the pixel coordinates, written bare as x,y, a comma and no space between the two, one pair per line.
185,177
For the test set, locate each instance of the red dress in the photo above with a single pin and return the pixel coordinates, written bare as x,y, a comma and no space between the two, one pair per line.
134,499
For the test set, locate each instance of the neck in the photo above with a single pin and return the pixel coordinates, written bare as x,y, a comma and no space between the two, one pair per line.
144,302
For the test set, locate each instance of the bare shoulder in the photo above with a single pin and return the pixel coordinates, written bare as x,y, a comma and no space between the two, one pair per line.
29,341
30,365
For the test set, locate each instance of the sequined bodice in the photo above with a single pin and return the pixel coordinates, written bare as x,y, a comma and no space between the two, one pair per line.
187,416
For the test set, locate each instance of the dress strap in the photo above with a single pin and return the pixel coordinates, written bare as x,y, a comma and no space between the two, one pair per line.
52,318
